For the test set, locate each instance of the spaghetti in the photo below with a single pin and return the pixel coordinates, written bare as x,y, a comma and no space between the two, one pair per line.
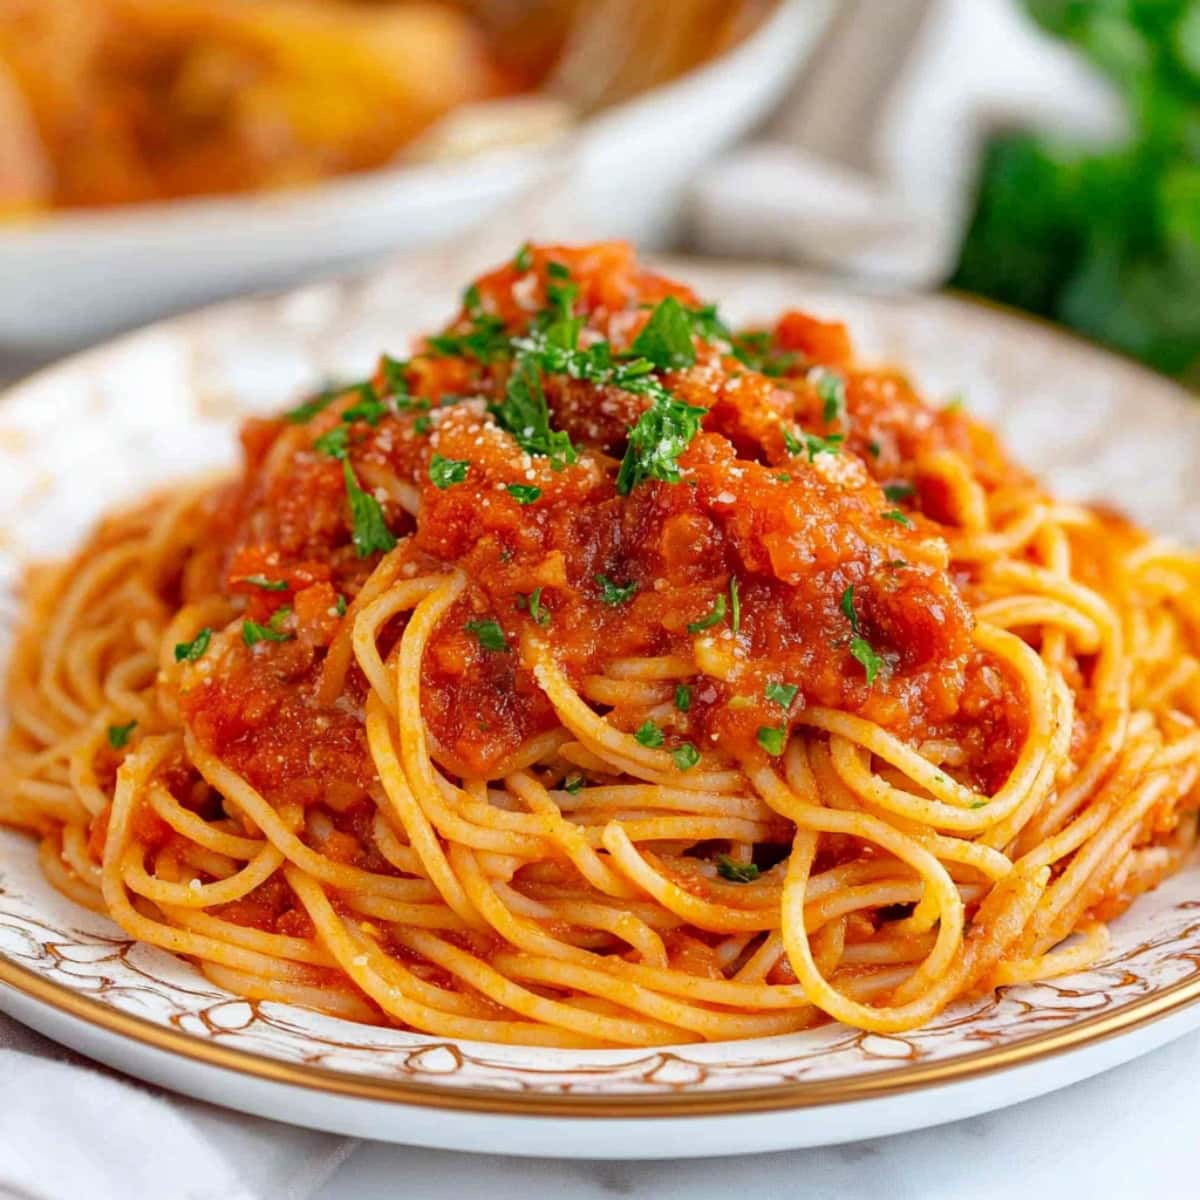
603,676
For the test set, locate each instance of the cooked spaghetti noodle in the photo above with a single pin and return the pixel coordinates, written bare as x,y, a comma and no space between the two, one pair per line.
598,676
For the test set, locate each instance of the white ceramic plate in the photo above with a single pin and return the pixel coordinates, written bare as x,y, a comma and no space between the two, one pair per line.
113,423
70,278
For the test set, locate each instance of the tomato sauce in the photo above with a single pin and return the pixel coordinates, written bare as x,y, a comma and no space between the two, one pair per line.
794,542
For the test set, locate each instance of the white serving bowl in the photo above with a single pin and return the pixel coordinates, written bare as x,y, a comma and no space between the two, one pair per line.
71,278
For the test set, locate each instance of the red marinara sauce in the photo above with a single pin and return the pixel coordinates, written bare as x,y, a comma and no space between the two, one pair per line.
777,540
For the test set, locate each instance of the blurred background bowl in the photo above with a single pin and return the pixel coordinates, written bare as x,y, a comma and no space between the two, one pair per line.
73,276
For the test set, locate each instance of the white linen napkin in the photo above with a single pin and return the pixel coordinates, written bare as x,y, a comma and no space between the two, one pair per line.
869,167
69,1128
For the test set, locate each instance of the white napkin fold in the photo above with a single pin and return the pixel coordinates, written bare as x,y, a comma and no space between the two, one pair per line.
70,1129
868,170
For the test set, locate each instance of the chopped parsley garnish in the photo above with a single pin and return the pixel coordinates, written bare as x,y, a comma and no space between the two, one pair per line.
714,615
615,593
685,757
523,259
484,341
860,648
706,322
524,413
771,738
489,634
864,652
340,606
524,493
422,425
846,604
395,375
736,872
896,515
899,491
573,784
261,581
754,349
811,443
253,632
735,605
333,444
190,651
533,602
666,339
831,389
118,735
444,472
371,533
305,412
874,449
649,735
781,693
662,433
783,477
683,697
369,408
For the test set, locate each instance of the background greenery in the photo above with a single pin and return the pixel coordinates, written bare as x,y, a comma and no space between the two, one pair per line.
1106,239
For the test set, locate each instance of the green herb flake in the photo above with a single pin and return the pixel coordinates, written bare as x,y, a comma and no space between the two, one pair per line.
735,605
811,444
649,735
370,531
864,652
524,413
666,339
755,349
334,444
523,259
489,635
831,389
899,491
340,607
846,604
771,738
874,449
422,425
781,693
683,697
615,593
573,784
253,632
533,603
896,515
261,581
662,433
445,472
118,735
685,757
715,615
191,651
524,493
369,407
395,375
736,872
303,413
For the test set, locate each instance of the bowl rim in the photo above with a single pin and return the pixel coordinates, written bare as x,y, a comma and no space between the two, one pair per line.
787,19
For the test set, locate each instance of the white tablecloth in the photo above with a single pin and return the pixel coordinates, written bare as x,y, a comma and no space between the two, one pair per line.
1129,1133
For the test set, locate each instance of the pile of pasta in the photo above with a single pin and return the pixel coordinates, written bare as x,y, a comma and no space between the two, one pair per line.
599,675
